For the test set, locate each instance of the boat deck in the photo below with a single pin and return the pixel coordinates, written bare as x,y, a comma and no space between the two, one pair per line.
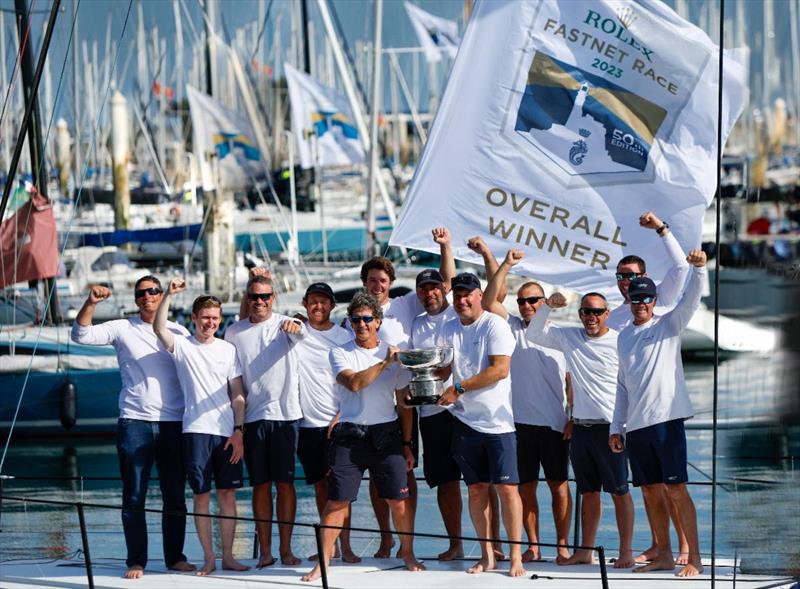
369,574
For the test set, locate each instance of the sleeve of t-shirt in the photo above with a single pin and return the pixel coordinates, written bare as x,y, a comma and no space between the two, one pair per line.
680,316
177,348
95,335
545,333
670,288
236,366
412,304
501,339
338,361
620,407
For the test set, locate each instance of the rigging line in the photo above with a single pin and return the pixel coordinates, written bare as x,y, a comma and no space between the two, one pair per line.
261,32
17,67
716,298
69,227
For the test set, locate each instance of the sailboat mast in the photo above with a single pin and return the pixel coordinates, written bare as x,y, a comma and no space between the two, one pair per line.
372,241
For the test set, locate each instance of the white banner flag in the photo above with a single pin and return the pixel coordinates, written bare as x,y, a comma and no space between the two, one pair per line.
227,134
326,112
555,135
436,35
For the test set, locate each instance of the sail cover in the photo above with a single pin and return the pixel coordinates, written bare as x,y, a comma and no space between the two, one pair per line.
29,243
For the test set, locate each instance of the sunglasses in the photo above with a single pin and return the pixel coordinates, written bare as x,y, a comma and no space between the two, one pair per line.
259,296
628,275
586,311
529,300
152,291
356,319
642,300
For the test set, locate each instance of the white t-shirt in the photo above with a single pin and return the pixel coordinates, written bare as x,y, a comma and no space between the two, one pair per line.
375,403
667,291
651,387
204,371
426,332
591,361
488,409
150,387
538,394
269,368
318,396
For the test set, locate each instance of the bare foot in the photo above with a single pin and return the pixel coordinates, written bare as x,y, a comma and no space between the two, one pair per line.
385,549
660,564
499,554
452,553
683,558
411,562
134,572
516,569
530,555
647,555
563,555
266,560
625,560
183,567
313,575
690,570
349,556
209,566
579,557
289,559
482,566
233,565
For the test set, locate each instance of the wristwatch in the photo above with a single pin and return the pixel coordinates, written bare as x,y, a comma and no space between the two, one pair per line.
239,427
664,227
459,389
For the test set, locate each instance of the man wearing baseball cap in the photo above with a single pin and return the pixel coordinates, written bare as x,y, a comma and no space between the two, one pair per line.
483,438
651,407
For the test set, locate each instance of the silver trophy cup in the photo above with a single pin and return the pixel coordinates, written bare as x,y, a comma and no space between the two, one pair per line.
425,386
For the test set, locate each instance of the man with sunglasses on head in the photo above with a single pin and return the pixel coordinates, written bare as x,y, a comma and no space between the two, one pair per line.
651,407
149,426
539,403
592,361
264,344
630,268
372,432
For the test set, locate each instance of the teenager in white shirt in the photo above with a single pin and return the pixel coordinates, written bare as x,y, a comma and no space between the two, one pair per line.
149,426
213,419
539,403
370,434
652,404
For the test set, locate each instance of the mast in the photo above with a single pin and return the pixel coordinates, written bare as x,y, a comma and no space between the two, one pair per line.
76,99
372,241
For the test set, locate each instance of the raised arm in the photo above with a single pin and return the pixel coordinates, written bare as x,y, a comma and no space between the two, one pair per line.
447,263
670,288
160,328
492,301
540,331
357,381
236,394
680,316
477,245
83,332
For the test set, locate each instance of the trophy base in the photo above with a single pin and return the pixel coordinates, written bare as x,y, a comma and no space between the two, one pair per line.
423,400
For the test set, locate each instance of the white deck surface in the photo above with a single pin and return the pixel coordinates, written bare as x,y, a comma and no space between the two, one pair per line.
370,574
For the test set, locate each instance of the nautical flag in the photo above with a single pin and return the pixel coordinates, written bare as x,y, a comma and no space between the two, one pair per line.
436,35
556,135
324,111
227,137
29,243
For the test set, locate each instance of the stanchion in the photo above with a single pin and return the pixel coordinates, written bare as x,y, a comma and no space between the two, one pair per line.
601,556
323,566
87,558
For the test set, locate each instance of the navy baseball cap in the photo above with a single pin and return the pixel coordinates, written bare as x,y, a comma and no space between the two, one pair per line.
465,280
641,287
429,276
320,288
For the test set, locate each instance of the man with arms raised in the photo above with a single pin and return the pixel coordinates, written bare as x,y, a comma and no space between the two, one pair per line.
369,434
211,380
538,400
591,353
436,422
149,427
264,344
318,397
483,436
652,404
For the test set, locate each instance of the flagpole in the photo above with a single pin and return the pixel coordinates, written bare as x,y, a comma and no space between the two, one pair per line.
372,242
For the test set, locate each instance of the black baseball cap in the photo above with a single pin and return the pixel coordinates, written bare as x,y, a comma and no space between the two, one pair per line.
320,288
429,276
465,280
641,287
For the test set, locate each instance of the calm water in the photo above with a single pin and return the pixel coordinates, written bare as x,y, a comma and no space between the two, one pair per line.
757,514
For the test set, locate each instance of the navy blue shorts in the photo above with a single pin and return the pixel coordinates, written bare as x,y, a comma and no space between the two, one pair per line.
485,458
378,448
313,450
438,464
269,450
595,466
658,454
538,445
204,459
